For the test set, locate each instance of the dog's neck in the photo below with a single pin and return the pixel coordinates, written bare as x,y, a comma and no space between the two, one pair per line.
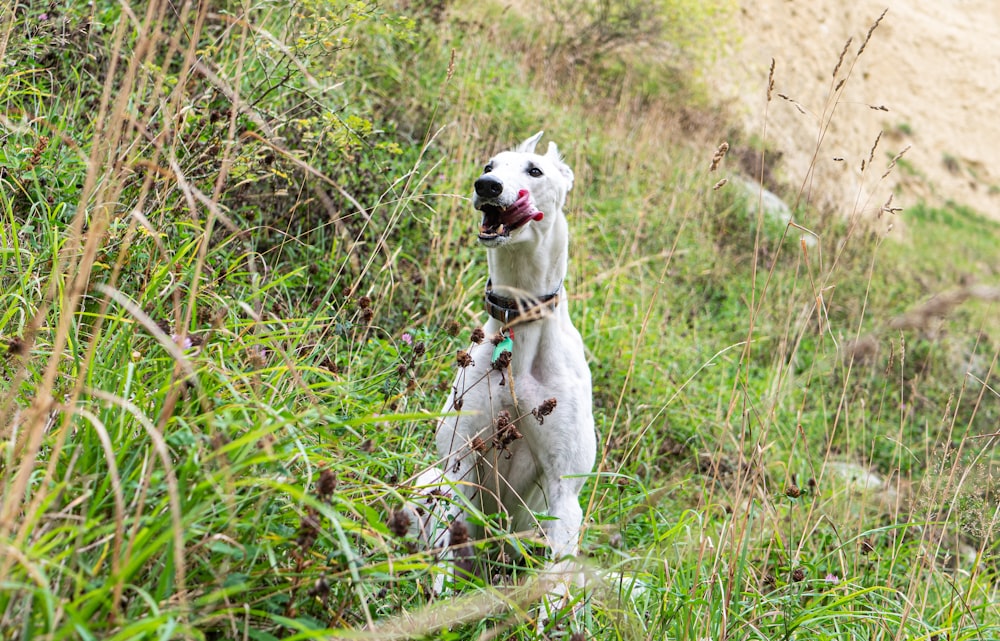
530,269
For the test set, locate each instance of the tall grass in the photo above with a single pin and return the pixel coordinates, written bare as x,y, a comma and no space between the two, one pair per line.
236,267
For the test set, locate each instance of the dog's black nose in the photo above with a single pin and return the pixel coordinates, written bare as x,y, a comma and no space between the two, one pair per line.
489,186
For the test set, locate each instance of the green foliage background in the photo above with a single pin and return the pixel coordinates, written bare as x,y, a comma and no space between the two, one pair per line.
237,262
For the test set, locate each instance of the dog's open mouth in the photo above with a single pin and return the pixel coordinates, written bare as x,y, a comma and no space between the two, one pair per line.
501,221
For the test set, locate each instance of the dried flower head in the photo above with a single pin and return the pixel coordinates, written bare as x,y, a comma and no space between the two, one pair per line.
364,302
399,523
798,574
461,549
16,346
769,582
452,327
459,533
478,335
792,491
544,409
506,432
463,358
37,151
327,484
867,546
419,349
321,588
164,326
478,445
308,529
502,361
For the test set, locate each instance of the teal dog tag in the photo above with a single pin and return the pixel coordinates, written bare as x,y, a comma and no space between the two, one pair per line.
506,345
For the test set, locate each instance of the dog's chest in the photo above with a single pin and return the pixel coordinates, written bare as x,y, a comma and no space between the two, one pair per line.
541,393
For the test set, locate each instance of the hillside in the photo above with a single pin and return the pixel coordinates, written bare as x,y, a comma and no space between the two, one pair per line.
932,66
239,268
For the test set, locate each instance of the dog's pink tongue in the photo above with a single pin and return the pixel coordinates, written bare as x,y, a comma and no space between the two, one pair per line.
521,210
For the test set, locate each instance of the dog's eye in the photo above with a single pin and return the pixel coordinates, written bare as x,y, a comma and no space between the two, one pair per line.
534,172
487,169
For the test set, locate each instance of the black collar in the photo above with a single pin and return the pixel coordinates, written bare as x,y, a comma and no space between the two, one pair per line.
510,311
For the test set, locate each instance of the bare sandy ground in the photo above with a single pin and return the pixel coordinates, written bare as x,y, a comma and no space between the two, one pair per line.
934,64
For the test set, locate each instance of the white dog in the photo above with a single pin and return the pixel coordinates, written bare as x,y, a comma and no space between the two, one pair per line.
524,437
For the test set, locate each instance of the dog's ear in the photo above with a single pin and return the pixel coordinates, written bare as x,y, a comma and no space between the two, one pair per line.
528,146
554,155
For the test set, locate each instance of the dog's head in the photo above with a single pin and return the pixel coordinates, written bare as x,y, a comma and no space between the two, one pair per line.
518,189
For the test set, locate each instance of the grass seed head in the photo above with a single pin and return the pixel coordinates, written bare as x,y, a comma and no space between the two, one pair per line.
840,61
770,81
720,153
871,30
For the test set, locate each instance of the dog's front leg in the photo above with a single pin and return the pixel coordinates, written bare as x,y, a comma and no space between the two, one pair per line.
563,531
438,522
562,534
